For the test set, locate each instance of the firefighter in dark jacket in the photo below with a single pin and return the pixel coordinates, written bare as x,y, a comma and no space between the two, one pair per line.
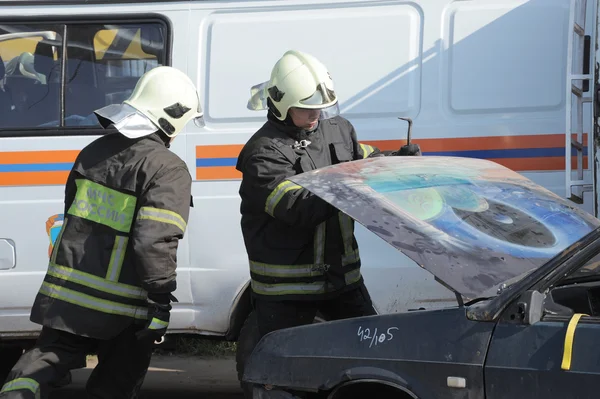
302,251
108,288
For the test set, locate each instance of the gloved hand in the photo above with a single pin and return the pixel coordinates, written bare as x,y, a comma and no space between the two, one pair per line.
159,312
409,150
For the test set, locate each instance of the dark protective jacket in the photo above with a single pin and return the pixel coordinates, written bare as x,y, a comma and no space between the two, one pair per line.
127,204
299,246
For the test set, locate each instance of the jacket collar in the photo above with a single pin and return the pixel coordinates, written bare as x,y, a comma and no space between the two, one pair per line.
289,129
159,138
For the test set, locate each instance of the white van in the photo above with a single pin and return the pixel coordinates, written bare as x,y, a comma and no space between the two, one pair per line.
479,78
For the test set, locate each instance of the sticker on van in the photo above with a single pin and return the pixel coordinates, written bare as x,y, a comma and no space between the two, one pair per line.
53,226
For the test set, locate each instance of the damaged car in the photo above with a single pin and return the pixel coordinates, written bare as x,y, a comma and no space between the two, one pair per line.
523,263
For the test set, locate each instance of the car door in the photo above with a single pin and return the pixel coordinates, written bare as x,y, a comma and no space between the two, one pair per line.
524,361
556,357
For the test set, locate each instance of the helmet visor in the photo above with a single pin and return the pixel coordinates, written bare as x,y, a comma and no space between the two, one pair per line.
322,96
322,99
330,112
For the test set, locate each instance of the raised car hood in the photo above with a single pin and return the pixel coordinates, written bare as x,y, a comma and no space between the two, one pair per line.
472,223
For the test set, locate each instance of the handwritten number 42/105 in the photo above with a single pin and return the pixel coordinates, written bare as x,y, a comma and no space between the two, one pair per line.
376,339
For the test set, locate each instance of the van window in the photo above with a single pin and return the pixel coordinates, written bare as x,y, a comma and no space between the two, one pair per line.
30,75
104,62
102,65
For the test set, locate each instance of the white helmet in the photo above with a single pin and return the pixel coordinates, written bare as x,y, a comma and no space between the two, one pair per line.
164,98
297,80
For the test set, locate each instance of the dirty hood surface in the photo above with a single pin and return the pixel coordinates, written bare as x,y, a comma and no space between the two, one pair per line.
472,223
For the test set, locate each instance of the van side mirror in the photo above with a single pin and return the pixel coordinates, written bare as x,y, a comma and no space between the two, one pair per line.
530,306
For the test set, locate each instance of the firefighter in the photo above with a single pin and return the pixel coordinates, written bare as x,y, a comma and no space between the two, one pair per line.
302,251
108,288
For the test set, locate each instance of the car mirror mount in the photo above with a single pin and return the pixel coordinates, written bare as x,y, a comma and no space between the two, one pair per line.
530,307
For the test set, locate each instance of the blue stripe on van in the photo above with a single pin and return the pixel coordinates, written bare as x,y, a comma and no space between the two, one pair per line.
207,162
36,167
508,153
485,154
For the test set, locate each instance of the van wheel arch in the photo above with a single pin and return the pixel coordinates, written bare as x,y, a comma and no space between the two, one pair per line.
241,310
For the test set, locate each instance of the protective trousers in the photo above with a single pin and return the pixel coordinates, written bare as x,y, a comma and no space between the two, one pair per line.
122,365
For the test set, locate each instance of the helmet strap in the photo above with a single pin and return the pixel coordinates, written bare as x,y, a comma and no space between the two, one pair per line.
165,139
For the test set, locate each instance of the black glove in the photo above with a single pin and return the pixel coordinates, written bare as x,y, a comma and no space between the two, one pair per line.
159,312
408,150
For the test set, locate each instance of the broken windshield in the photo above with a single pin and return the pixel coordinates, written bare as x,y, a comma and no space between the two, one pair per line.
472,223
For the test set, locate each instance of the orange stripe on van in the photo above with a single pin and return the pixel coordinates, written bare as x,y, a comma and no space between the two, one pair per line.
37,157
33,178
537,164
477,143
218,151
218,173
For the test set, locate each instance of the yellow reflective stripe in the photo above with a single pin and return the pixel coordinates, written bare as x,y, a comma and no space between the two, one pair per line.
157,324
318,287
319,244
57,242
95,282
350,255
346,227
103,205
265,269
22,383
116,258
162,215
316,269
352,276
288,289
277,194
90,302
568,347
366,150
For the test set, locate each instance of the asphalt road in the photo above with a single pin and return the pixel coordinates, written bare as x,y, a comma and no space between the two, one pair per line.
173,377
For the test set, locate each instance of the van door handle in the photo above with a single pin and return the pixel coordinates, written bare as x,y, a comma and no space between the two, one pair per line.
8,254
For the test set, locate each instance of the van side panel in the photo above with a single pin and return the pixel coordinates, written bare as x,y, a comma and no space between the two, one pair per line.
479,78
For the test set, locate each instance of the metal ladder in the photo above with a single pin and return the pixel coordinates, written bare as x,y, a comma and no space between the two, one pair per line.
579,83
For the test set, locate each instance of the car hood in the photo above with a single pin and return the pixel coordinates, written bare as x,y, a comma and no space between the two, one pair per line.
472,223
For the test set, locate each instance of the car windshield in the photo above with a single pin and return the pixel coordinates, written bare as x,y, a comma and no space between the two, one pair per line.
472,223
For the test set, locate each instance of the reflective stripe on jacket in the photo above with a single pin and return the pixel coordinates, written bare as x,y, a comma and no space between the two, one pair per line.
126,206
299,246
